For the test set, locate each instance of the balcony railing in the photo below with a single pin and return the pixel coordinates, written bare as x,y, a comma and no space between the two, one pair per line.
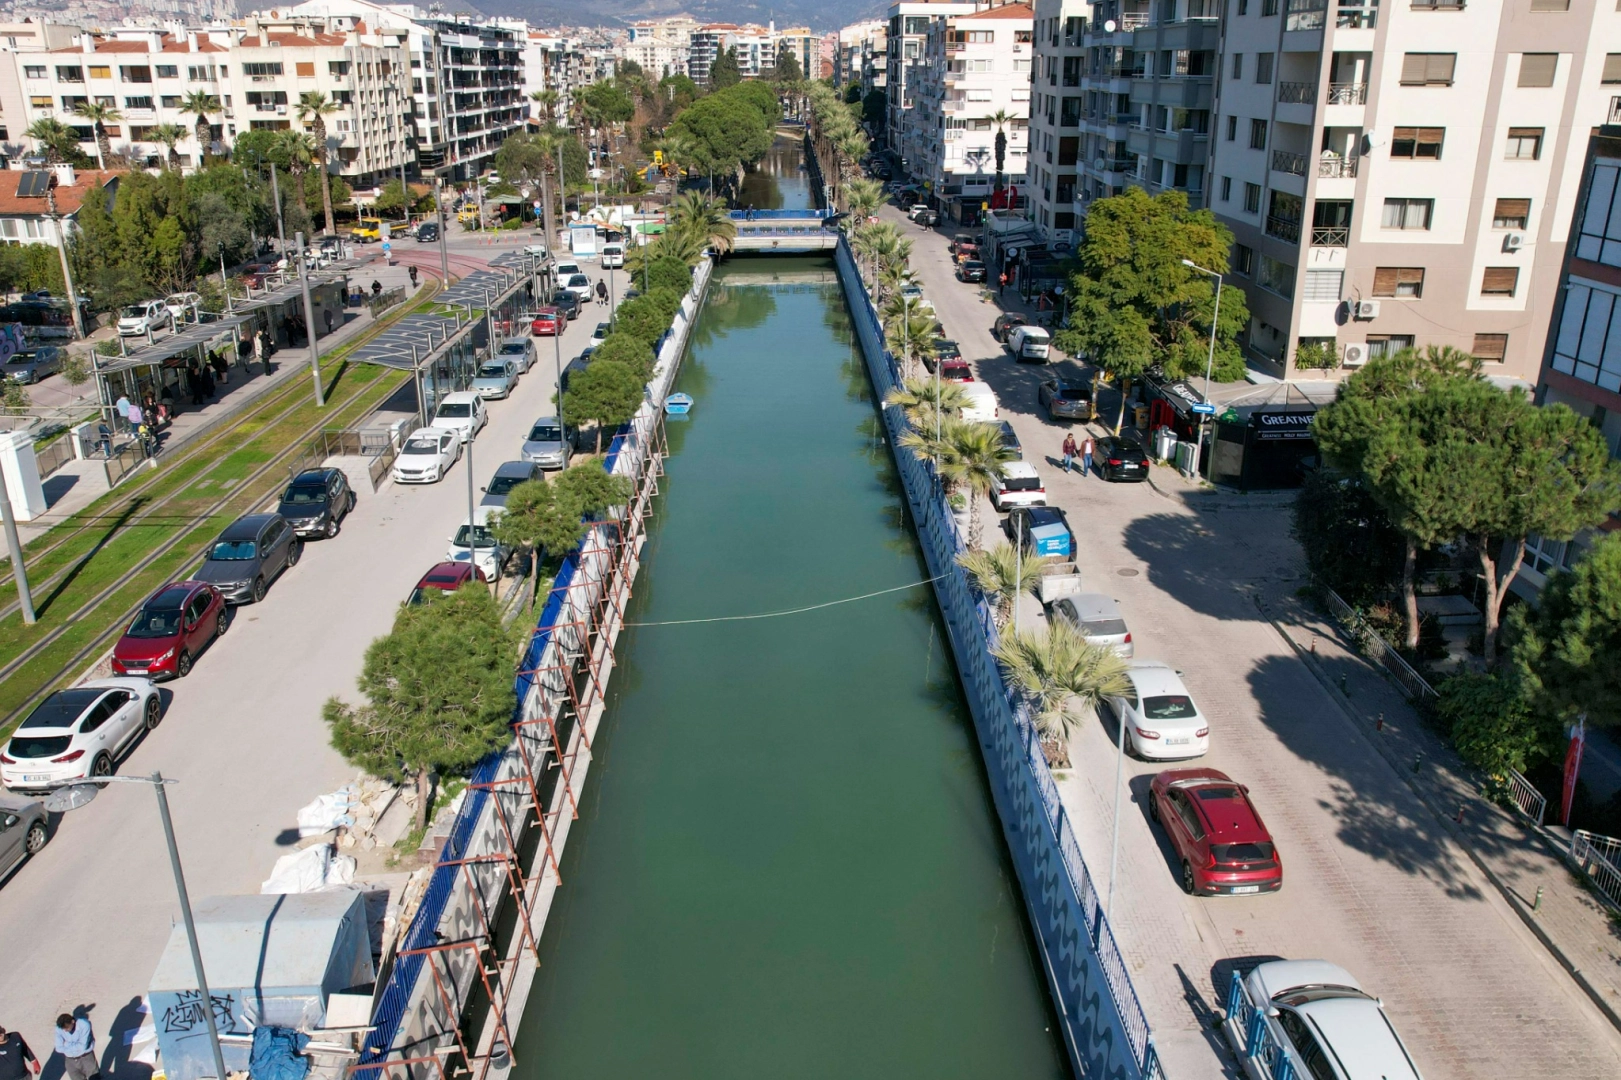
1286,229
1285,162
1297,93
1348,93
1305,14
1135,20
1121,165
1357,17
1615,110
1331,235
1335,168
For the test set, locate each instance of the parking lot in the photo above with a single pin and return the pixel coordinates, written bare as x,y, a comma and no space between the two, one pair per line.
1371,880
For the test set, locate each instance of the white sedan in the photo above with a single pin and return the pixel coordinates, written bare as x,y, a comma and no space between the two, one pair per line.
427,455
1162,722
79,733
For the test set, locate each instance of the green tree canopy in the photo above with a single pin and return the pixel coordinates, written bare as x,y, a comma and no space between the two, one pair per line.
1565,649
642,318
724,72
606,392
875,108
439,693
787,69
606,102
1347,538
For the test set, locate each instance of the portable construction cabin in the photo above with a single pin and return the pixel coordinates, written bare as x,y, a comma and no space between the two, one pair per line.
269,960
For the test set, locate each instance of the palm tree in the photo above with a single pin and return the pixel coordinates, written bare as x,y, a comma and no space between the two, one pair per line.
100,114
313,108
168,135
971,462
702,216
862,197
910,337
202,104
920,399
1064,677
547,99
894,277
886,248
300,155
1000,119
53,137
1003,575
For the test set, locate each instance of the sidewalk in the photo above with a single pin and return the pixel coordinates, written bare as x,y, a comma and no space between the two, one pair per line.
1523,863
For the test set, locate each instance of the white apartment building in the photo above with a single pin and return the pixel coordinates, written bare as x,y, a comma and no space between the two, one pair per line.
975,65
23,37
1407,173
1056,117
805,46
907,36
660,46
863,55
756,49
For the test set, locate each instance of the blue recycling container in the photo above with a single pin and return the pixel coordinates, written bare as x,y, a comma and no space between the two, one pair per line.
1050,540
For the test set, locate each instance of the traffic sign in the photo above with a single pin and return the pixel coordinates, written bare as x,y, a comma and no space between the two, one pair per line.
1204,408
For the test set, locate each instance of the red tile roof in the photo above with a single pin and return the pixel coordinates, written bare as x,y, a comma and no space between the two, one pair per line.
170,45
1006,11
68,199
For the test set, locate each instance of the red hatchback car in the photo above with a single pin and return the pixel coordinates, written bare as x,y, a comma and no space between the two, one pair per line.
548,322
177,623
444,577
1216,831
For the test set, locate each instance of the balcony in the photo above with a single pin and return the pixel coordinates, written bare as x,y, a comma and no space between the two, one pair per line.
1305,14
1357,17
1327,235
1286,229
1285,162
1135,20
1615,111
1337,168
1348,93
1297,93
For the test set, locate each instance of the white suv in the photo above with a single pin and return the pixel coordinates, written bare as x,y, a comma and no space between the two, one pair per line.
143,318
1018,485
462,412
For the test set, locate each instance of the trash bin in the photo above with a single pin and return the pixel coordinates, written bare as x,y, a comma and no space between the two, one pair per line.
1164,443
1139,415
1184,458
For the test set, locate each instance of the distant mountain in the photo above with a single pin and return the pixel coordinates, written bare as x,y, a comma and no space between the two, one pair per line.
820,15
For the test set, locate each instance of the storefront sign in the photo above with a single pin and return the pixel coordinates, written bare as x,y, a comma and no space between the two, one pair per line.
1280,425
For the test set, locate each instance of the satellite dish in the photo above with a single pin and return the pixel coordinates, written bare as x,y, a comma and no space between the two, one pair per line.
1109,26
1098,163
70,797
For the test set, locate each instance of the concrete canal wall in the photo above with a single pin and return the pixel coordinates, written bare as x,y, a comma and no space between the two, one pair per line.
1104,1027
499,867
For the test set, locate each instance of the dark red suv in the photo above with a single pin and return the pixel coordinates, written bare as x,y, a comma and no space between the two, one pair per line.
177,623
1217,833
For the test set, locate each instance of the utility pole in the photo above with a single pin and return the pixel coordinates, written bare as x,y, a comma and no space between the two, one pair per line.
18,571
225,285
275,194
309,325
439,209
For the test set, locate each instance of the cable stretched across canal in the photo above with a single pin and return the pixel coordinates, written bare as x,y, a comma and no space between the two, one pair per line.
790,611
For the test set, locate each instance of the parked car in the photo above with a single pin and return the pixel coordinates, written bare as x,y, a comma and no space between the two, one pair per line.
79,733
495,378
914,293
566,302
600,334
1010,438
944,349
1019,484
574,367
176,623
546,445
508,475
1097,617
144,318
317,501
520,350
568,269
965,253
444,577
183,306
578,284
1160,717
548,322
462,412
1004,324
957,370
539,252
972,270
981,406
1029,343
613,256
248,555
474,544
1065,399
958,239
428,232
23,830
1121,457
1041,530
426,456
924,215
1219,837
32,365
1319,1016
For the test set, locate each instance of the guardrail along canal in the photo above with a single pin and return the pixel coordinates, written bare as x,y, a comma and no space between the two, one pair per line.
787,864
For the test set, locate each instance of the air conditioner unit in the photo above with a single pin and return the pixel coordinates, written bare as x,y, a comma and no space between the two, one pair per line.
281,110
1513,241
1356,354
1365,309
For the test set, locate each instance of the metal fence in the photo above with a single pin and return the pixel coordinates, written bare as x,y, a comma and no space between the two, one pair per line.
1528,799
1260,1047
385,300
1599,857
1414,685
54,455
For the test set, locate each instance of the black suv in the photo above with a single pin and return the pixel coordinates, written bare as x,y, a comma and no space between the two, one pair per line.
248,555
317,501
1120,457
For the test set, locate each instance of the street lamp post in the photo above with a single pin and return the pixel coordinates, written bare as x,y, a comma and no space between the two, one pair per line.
439,209
1215,321
309,324
25,599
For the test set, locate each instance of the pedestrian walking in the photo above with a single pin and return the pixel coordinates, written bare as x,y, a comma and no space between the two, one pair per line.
149,409
376,288
207,378
222,367
16,1060
194,383
413,272
136,417
602,293
1071,451
326,316
1002,284
77,1045
1088,448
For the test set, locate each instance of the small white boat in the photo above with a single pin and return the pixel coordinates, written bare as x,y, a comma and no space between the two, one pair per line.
677,404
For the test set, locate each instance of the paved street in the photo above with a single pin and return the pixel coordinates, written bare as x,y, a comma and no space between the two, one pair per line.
1373,881
84,922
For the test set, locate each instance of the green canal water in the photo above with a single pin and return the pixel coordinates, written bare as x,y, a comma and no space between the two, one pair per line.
787,863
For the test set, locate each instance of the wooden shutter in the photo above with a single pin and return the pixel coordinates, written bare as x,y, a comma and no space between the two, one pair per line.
1550,5
1500,280
1490,347
1512,210
1420,69
1612,68
1441,67
1538,69
304,70
1414,65
1384,281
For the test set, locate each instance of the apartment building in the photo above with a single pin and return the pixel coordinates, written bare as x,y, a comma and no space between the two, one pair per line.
1057,115
804,46
863,55
15,38
976,66
1406,174
756,49
905,63
660,46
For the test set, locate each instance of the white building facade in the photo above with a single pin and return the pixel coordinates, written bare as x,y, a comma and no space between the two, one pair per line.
1056,118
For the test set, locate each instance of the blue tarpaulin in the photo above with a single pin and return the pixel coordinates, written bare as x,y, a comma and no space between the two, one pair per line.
278,1054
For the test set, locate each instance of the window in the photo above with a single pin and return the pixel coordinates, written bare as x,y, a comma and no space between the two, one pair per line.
168,71
1545,556
1490,347
1238,66
1418,143
1588,344
1263,67
1020,37
1252,198
1612,69
1511,213
1306,1045
1428,69
1269,7
1408,213
337,68
1550,5
99,72
1599,232
1072,70
1387,344
1538,69
70,74
260,69
1257,134
42,102
200,74
1070,112
1499,281
304,70
136,74
1400,281
1243,7
1226,189
1279,277
137,103
1243,260
1323,286
1524,144
34,71
1232,128
170,101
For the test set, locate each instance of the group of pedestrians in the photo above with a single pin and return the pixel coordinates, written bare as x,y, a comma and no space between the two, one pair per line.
75,1041
1083,450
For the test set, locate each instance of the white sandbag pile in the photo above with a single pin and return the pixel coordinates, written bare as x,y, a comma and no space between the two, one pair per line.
311,870
354,811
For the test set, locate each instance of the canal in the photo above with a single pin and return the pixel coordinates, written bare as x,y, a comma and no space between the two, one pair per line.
787,864
779,180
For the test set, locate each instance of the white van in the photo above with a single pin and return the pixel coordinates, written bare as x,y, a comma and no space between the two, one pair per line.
981,407
613,256
1029,343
